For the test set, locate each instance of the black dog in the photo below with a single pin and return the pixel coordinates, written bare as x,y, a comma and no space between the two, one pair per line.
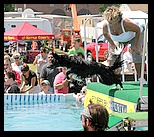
84,69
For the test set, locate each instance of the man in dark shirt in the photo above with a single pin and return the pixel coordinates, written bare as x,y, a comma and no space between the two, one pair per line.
49,71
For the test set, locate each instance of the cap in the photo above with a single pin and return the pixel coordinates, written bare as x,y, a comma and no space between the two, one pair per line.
129,45
16,55
45,82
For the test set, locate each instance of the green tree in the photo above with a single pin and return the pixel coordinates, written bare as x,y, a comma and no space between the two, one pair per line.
102,7
9,7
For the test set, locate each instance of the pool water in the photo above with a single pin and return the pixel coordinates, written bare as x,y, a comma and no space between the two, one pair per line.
43,116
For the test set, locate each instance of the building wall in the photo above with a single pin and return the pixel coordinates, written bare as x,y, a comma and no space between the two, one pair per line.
82,9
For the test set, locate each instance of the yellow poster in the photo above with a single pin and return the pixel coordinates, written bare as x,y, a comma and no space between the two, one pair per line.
111,103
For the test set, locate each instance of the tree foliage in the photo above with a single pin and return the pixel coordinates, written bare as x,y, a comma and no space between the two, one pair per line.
102,7
9,7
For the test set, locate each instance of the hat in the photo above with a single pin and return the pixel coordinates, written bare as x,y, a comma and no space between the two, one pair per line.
16,55
45,82
129,46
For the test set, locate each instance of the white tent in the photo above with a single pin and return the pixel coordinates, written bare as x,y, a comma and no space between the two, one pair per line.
135,14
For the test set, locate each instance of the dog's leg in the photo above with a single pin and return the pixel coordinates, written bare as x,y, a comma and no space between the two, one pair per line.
121,86
116,87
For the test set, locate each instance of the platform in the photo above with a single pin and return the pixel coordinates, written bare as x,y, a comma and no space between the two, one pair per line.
128,121
115,100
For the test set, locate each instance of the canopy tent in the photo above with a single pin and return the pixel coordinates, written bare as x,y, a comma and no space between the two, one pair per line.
26,31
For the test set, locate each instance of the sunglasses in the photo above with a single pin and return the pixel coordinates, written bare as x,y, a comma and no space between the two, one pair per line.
16,58
50,57
24,71
83,91
43,84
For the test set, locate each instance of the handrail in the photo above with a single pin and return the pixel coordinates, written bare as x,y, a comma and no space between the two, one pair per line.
143,60
92,18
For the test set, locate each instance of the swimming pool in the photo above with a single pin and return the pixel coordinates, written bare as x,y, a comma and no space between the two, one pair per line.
41,113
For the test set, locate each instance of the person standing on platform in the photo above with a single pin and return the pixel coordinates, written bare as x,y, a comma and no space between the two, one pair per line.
116,28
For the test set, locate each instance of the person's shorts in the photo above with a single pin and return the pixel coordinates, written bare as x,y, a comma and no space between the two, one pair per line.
137,58
38,75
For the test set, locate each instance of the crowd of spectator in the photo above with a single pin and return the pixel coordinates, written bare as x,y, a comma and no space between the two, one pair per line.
46,79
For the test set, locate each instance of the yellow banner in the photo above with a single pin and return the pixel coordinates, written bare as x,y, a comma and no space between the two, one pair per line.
111,103
35,37
9,38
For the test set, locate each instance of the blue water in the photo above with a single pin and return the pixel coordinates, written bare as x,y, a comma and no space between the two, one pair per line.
48,116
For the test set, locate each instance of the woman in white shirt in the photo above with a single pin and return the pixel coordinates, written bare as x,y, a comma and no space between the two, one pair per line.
125,31
17,64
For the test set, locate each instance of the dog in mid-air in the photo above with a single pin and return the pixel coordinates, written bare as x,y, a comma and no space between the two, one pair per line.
84,69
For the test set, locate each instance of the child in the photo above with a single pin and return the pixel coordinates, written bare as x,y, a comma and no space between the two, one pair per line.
81,96
45,85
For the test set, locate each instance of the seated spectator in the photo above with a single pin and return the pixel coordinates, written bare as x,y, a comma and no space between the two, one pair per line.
95,118
10,81
30,79
8,67
110,60
128,60
106,62
17,64
60,83
76,47
45,85
81,96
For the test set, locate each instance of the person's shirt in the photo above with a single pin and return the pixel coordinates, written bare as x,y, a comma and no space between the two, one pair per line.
40,62
13,88
125,36
59,78
49,71
16,68
74,51
42,92
31,75
17,77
